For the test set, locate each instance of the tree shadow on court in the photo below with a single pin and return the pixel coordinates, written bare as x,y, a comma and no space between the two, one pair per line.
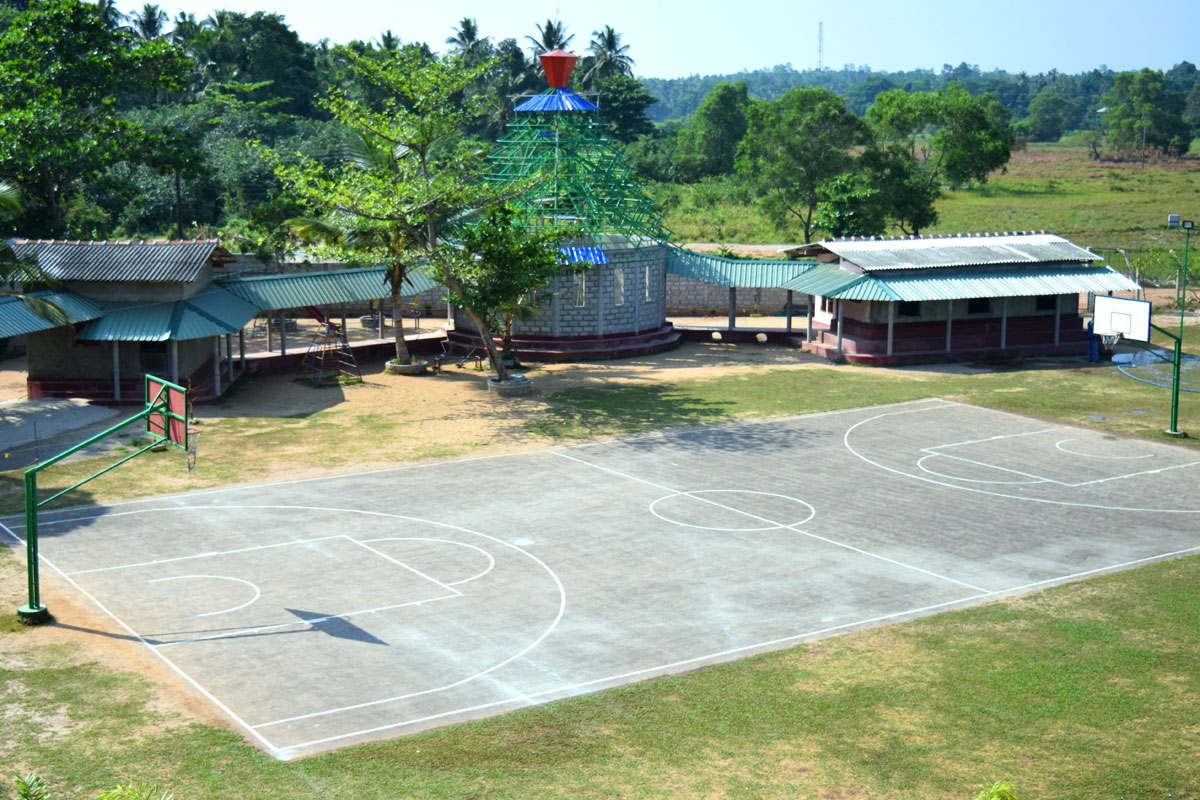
583,413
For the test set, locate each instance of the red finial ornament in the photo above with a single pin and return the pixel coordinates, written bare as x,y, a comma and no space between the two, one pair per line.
558,65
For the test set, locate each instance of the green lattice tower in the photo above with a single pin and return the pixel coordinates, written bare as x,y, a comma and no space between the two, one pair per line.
583,180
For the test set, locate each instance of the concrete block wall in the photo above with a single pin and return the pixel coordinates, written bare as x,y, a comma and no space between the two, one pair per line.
690,297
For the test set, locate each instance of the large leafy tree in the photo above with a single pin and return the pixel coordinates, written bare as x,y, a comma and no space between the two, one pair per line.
413,175
707,146
924,140
1143,115
23,273
792,146
497,263
623,104
62,71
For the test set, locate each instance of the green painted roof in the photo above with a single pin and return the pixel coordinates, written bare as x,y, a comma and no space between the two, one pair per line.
734,272
16,318
299,289
960,283
212,312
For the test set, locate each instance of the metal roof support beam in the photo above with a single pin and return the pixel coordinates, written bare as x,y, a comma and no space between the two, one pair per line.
789,310
229,358
891,324
839,324
282,335
1057,317
809,316
949,322
116,371
732,307
242,348
1003,323
216,366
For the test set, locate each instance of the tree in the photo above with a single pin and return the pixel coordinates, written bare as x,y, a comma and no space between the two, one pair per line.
1143,114
498,262
62,71
466,42
623,104
1048,116
851,207
609,58
149,22
14,270
551,36
413,175
792,146
708,145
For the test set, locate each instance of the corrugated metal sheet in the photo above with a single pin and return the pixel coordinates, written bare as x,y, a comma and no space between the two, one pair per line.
17,319
825,280
956,251
733,272
556,100
963,284
173,262
300,289
212,312
577,255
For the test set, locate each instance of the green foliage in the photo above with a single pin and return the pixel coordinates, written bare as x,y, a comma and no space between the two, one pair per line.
139,791
1143,114
62,72
1000,790
851,207
499,260
411,174
792,146
623,104
708,145
1048,118
31,787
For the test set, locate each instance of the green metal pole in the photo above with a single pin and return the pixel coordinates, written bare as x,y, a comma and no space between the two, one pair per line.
1187,239
34,612
1174,431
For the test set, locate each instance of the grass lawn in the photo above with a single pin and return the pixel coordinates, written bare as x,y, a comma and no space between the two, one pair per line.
1058,188
1081,691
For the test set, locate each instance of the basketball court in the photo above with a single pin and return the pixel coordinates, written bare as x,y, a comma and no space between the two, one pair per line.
325,612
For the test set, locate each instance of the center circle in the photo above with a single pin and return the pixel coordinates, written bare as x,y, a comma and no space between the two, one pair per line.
734,510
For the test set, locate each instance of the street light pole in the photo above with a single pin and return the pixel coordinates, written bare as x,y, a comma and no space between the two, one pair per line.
1188,225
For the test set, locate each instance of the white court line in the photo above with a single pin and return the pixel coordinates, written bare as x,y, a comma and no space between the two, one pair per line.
413,570
288,753
921,464
777,525
465,460
1059,445
240,632
961,488
992,438
1035,478
251,601
491,561
188,678
208,554
1135,474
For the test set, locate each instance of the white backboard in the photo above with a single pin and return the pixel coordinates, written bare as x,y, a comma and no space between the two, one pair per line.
1130,318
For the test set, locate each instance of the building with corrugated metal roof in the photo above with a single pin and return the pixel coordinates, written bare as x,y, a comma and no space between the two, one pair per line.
158,307
890,300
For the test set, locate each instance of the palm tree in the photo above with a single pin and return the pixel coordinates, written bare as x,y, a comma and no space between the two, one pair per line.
551,36
465,38
389,42
184,29
14,270
109,14
609,57
149,22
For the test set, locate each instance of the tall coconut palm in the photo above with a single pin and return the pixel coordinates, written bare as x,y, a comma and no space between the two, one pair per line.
149,22
388,41
466,37
109,14
609,57
23,271
184,29
551,36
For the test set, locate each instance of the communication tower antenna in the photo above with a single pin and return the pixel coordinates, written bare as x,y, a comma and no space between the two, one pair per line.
820,45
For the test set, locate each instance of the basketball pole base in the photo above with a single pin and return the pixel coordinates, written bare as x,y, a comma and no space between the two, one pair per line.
1177,434
33,615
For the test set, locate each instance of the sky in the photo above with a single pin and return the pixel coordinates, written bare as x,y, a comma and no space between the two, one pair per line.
674,38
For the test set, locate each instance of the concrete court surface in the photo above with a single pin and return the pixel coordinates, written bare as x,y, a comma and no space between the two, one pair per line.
324,612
